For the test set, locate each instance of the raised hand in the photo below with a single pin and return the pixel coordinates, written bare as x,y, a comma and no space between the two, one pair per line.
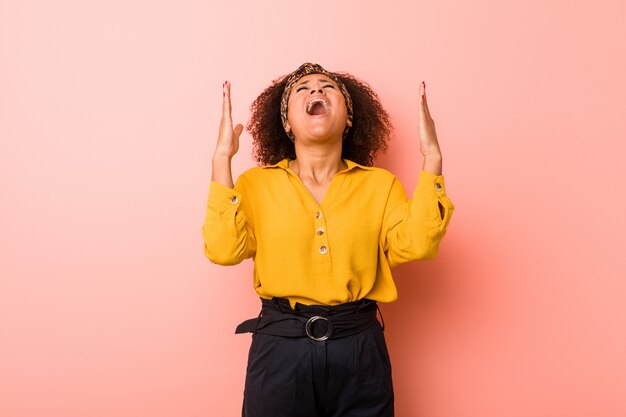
228,138
429,146
227,142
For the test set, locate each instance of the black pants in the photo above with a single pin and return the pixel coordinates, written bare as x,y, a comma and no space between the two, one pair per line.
299,377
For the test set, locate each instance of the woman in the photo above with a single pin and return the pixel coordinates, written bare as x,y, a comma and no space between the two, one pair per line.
324,228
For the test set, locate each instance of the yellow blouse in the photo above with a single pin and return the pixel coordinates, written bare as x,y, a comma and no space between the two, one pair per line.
340,251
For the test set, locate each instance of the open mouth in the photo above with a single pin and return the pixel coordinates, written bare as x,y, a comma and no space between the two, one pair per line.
317,107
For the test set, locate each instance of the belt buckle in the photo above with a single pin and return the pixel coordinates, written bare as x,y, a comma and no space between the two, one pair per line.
310,322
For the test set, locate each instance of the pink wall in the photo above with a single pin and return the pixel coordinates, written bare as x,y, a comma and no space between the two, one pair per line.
108,119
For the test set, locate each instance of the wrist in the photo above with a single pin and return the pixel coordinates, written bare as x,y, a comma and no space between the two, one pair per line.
433,164
433,156
222,157
221,171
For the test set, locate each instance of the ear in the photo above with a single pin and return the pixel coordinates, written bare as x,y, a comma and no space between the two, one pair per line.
349,122
287,127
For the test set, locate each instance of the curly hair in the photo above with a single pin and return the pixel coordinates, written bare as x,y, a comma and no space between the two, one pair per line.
369,134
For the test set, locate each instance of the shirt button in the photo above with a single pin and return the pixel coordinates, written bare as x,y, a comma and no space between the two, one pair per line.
437,187
318,215
320,231
234,199
323,250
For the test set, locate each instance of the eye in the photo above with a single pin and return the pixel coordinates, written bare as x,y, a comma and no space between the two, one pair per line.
303,87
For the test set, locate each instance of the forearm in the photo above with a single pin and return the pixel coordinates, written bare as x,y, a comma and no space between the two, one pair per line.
221,171
228,226
413,229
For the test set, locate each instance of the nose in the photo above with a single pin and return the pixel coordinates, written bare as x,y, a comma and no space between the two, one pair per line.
317,87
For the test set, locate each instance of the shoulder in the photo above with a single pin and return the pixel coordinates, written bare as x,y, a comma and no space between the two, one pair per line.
262,172
382,173
377,183
372,173
253,172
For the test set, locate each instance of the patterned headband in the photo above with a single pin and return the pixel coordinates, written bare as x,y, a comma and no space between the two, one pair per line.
306,69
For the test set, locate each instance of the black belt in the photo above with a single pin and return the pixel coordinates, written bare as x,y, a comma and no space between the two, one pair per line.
315,321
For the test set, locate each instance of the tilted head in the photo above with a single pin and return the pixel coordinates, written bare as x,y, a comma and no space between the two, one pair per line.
304,70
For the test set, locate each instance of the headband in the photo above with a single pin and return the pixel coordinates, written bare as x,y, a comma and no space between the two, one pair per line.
306,69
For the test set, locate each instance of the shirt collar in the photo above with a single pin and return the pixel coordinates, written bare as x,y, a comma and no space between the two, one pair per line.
284,164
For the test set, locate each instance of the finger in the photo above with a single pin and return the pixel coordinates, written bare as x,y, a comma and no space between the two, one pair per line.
226,107
230,107
426,110
237,130
422,109
427,115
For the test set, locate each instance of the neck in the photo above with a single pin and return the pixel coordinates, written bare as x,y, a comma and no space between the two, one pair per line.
319,165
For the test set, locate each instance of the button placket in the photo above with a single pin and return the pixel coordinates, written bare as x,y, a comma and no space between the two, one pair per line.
320,234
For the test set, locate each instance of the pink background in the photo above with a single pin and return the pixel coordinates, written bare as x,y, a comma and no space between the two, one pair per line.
108,120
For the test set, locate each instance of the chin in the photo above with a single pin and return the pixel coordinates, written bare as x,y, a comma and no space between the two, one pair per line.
324,133
326,138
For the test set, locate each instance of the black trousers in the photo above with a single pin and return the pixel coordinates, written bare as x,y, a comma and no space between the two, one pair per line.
300,377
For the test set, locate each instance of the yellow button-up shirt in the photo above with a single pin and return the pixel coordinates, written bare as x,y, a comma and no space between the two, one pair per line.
340,251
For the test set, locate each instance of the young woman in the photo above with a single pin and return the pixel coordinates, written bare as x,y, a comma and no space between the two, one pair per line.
324,228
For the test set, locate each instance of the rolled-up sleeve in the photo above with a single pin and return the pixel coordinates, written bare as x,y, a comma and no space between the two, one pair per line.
413,229
228,230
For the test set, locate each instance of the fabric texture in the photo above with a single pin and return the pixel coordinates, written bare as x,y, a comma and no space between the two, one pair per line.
299,377
339,251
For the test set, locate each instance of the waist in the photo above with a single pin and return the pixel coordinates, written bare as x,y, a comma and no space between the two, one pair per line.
318,322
